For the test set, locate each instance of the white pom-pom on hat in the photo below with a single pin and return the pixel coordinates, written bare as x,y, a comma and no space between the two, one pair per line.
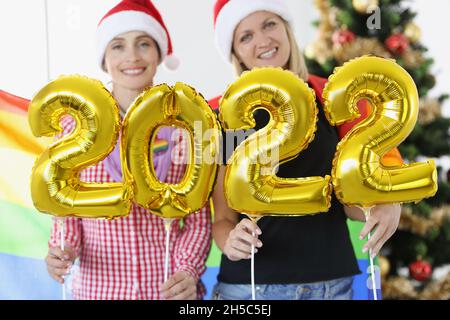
171,62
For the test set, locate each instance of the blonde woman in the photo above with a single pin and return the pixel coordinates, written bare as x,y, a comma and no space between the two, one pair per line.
297,258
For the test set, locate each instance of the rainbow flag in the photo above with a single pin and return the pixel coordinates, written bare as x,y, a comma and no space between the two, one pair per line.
24,232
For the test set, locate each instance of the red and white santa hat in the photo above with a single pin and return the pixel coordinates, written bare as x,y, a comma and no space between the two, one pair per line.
135,15
229,13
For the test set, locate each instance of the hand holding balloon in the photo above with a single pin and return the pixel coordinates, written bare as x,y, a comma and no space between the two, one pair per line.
240,240
384,218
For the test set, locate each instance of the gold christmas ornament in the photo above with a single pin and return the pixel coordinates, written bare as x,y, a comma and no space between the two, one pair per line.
385,266
413,32
309,51
362,6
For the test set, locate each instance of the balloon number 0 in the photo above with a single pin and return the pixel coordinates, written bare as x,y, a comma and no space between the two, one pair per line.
180,106
251,185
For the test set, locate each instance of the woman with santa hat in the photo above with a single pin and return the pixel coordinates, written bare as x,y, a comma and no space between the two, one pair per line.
125,258
297,258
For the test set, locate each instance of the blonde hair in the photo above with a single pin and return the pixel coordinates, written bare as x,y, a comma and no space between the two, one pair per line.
296,60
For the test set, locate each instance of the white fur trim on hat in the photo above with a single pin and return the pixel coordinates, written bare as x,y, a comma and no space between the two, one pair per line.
126,21
235,11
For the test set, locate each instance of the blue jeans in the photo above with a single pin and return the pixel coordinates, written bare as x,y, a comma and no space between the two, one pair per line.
338,289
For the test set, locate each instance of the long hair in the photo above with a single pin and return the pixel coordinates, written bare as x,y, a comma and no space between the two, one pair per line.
296,60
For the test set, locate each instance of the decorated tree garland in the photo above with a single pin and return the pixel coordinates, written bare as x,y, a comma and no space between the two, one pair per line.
348,29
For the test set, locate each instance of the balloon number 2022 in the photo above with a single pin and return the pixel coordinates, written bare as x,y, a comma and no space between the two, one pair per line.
251,185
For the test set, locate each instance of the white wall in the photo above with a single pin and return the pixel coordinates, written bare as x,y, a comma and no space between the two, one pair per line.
23,63
72,25
432,17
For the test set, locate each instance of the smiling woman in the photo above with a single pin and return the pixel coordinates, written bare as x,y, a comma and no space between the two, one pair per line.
314,252
124,258
278,47
131,59
261,40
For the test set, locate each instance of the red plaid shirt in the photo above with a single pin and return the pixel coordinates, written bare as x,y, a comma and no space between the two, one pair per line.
124,258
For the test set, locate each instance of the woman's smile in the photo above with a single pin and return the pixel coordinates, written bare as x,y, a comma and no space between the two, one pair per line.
133,71
268,54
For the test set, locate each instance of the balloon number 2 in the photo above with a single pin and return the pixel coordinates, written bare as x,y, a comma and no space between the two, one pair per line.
359,178
251,185
55,184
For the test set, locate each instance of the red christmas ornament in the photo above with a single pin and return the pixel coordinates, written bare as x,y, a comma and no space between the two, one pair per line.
397,44
420,270
343,36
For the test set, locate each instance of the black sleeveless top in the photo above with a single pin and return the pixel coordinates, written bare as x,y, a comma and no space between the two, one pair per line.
299,249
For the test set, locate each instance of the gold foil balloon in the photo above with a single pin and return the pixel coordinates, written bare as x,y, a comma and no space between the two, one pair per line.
251,185
183,107
359,177
55,185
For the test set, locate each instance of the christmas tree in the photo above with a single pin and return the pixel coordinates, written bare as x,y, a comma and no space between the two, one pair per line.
352,28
